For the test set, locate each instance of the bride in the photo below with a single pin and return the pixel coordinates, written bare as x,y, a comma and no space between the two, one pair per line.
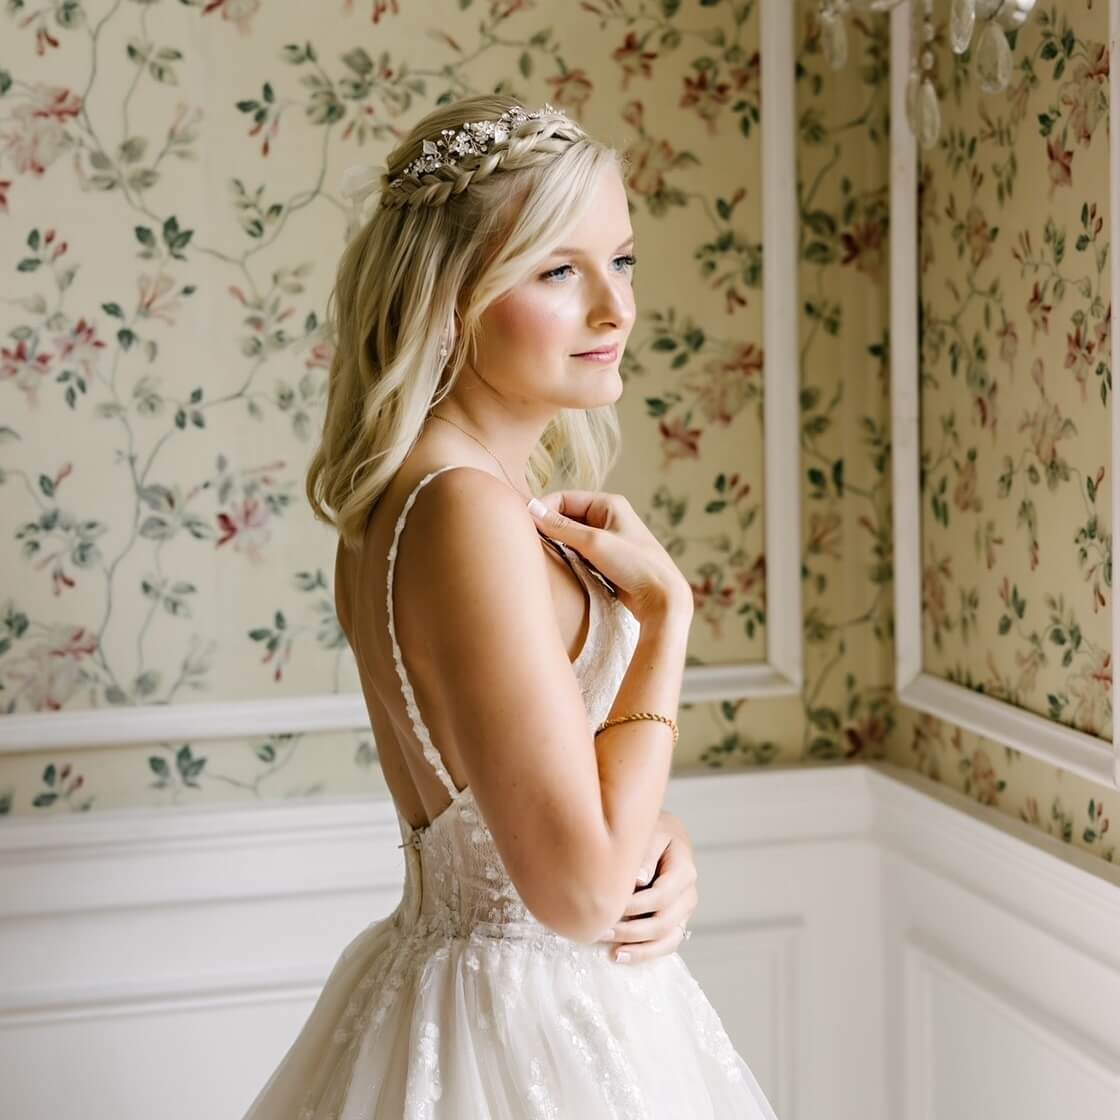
521,659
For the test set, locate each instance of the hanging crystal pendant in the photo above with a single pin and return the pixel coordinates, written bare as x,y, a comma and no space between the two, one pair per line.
835,39
993,59
962,19
929,115
1014,13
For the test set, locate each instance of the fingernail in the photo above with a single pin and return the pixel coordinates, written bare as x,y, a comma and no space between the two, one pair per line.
537,508
622,956
644,875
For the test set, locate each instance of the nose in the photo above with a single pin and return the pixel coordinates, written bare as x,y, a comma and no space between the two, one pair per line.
613,303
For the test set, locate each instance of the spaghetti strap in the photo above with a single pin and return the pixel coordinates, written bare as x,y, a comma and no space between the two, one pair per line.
418,726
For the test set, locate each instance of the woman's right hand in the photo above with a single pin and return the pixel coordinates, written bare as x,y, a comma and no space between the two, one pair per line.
605,529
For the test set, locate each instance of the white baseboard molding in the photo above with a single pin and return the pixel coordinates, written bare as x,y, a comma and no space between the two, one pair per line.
877,946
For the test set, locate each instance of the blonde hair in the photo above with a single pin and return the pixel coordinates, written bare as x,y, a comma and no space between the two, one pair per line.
436,253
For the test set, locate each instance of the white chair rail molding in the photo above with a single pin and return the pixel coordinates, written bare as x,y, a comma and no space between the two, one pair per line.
878,947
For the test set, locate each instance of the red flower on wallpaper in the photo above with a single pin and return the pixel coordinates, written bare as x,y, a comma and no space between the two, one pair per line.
724,385
27,370
1060,166
1008,335
747,79
151,304
380,7
648,160
37,134
1084,94
247,525
1080,357
863,244
80,345
1039,313
237,12
1091,685
706,95
321,355
50,669
679,441
570,90
632,59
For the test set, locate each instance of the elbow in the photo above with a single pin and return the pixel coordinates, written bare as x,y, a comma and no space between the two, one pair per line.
577,919
583,892
581,913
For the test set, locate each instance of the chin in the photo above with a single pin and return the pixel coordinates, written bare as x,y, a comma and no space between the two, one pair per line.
607,393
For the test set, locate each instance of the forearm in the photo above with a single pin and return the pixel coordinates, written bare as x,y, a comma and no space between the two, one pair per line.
634,758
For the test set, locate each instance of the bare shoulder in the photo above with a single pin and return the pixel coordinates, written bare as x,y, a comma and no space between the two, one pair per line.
471,516
470,571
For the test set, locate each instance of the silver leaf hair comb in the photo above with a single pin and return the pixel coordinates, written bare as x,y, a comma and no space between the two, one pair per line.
474,138
360,180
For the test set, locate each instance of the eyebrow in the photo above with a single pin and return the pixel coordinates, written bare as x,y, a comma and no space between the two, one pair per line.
566,252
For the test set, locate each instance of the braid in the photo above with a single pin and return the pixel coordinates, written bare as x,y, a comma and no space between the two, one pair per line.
535,141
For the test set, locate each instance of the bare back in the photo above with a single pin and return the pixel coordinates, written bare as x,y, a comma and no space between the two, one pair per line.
361,597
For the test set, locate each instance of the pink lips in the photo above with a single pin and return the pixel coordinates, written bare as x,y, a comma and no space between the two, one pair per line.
606,355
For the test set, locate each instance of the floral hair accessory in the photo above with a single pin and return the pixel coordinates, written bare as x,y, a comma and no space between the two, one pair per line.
474,138
451,146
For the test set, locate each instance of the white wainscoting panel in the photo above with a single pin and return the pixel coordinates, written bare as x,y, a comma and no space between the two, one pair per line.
875,948
1002,964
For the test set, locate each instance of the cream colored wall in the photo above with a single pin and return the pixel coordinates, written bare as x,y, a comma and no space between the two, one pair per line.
238,137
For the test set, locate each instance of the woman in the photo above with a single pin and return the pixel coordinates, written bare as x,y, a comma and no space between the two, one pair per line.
479,316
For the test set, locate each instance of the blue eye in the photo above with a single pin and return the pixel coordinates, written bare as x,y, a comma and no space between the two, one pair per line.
629,261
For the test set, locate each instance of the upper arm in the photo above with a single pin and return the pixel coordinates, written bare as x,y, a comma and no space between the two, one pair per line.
472,592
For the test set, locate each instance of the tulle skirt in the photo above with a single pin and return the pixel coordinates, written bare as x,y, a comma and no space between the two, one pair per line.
510,1027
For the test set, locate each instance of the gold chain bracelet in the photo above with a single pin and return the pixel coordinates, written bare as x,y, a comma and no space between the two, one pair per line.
641,715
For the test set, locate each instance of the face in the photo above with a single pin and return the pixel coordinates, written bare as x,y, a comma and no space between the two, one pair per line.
579,299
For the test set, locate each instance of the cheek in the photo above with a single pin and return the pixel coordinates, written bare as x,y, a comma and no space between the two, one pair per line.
532,323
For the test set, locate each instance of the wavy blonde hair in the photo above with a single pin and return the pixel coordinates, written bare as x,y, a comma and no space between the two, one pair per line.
439,249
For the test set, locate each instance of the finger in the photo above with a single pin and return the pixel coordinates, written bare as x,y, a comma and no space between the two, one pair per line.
648,950
644,904
662,941
651,899
655,925
571,503
651,865
595,508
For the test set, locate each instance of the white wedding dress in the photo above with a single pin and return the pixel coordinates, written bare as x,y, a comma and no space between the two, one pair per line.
460,1005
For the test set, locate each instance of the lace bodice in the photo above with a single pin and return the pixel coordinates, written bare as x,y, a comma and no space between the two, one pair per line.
455,881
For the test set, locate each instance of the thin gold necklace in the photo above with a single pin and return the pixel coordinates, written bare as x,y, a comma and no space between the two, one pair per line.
480,444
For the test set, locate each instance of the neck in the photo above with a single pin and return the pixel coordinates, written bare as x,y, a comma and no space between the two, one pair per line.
509,434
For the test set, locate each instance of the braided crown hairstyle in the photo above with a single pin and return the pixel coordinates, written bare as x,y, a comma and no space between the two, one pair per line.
414,280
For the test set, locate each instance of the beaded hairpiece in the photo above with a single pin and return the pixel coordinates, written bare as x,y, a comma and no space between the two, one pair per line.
474,138
446,150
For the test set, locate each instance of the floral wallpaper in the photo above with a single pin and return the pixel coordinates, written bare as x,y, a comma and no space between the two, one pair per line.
169,207
1016,398
169,204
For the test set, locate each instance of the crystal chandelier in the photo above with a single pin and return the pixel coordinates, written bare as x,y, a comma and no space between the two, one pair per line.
993,52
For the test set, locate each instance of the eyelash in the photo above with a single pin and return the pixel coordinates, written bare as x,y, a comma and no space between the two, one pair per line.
630,260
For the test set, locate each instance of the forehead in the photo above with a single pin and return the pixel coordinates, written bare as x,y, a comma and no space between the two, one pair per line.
605,222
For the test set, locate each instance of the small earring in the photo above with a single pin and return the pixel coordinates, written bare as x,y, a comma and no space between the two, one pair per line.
443,351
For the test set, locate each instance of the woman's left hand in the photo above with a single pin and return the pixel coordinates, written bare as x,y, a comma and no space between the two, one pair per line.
650,926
